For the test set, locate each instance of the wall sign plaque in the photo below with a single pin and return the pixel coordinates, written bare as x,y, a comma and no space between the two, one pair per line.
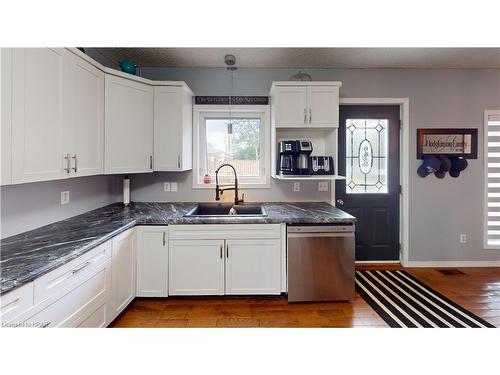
449,142
235,100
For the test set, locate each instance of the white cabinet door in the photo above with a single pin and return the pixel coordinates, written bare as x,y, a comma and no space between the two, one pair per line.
84,116
323,106
37,115
128,126
172,129
6,113
152,261
196,267
253,267
290,106
123,272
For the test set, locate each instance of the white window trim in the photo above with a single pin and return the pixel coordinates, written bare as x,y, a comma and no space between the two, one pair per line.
200,112
487,114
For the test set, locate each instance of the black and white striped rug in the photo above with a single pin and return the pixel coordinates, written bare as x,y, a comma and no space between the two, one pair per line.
404,301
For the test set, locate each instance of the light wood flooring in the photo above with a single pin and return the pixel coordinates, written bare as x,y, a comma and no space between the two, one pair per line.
476,289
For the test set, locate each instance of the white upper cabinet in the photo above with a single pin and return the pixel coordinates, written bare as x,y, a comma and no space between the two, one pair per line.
290,105
6,115
57,115
173,123
305,104
323,106
38,152
84,117
128,126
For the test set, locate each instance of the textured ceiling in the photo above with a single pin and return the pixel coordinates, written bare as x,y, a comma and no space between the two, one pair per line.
310,57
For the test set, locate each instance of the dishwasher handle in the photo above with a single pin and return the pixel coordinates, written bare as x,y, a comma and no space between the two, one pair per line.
321,229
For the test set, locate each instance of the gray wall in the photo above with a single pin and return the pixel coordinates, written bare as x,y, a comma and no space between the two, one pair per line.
439,209
28,206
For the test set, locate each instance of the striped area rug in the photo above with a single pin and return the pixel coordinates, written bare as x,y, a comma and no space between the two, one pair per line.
404,301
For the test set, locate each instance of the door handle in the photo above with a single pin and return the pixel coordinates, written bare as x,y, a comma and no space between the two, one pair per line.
76,160
340,202
305,116
67,169
150,162
179,161
164,238
227,251
221,251
310,116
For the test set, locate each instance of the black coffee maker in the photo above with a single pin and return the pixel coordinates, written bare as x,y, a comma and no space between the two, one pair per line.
293,158
287,154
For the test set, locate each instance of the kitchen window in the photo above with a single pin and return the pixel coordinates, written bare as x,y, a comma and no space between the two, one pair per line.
492,179
240,136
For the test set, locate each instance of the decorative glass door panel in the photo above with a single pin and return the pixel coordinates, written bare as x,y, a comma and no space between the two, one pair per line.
366,145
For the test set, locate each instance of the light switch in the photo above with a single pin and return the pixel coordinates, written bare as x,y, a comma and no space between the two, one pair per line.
166,186
173,186
296,186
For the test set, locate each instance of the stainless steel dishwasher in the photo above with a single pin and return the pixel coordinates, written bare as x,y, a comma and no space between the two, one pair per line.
320,263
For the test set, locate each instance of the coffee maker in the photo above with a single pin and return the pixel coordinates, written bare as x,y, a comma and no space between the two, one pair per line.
305,149
293,158
287,154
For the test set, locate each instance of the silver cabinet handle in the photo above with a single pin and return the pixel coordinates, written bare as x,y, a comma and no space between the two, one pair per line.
76,160
78,269
310,116
164,238
227,251
179,161
305,116
67,169
151,162
221,251
45,325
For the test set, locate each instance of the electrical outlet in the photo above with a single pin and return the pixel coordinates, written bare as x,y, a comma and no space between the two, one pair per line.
64,197
323,186
173,186
296,186
166,186
463,238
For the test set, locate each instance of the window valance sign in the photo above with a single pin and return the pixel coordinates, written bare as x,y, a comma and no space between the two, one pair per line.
461,142
235,100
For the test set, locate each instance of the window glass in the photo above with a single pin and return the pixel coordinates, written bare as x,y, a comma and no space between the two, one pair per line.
237,142
366,156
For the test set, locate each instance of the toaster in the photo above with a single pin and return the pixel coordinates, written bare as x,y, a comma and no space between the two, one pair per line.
321,165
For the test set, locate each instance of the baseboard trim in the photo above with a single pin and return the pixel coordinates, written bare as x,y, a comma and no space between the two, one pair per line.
431,264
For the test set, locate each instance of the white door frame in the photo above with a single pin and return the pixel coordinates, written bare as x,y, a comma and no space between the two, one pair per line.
404,157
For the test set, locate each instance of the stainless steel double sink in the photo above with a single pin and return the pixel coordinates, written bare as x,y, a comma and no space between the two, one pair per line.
227,210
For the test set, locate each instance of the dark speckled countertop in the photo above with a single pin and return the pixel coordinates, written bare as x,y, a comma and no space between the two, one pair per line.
26,256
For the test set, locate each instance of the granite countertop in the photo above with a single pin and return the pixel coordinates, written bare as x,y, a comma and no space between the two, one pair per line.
27,256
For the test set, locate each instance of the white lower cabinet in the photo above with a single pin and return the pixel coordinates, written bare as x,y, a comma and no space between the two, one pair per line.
152,261
196,267
225,262
123,273
253,266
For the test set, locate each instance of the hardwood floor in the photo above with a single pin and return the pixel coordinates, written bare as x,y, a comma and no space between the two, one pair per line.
476,289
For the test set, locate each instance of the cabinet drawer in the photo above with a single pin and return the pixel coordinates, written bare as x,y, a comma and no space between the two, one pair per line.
78,304
97,319
223,231
16,302
70,273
